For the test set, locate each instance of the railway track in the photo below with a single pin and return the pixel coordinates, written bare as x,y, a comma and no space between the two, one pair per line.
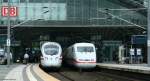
67,74
124,75
116,77
62,76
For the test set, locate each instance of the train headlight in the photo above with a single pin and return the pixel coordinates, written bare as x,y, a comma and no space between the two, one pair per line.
17,60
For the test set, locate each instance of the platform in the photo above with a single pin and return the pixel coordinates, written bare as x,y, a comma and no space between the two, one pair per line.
138,68
21,72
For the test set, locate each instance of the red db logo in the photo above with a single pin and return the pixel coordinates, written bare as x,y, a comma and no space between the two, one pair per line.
12,13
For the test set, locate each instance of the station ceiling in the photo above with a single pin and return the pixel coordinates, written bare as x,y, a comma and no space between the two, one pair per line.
108,33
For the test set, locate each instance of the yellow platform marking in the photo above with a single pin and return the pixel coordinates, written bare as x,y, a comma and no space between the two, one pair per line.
30,75
43,75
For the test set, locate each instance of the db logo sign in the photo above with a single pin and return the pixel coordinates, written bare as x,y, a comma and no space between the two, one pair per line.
13,11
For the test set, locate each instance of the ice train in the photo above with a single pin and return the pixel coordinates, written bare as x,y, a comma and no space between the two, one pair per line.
81,55
51,54
3,56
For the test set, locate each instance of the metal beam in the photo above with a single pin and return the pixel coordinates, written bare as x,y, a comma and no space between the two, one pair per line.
114,16
83,26
134,4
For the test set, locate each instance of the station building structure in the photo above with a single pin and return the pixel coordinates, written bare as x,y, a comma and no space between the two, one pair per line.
106,23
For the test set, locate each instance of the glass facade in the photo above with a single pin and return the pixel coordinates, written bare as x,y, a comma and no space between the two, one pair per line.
73,13
2,39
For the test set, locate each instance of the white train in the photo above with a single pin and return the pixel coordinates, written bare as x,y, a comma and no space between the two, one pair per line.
3,56
51,54
81,55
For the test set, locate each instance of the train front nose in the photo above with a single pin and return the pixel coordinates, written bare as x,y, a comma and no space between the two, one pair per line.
86,65
52,62
51,53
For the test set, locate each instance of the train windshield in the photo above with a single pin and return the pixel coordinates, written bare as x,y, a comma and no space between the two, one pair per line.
51,49
85,49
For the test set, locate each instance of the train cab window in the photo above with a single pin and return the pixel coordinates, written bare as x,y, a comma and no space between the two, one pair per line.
85,49
51,49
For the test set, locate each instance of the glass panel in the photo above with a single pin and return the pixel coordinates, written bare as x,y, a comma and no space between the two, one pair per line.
5,0
62,11
23,1
22,12
14,1
38,11
30,11
46,11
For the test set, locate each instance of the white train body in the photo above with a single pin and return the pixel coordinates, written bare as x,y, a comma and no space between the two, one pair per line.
81,55
51,54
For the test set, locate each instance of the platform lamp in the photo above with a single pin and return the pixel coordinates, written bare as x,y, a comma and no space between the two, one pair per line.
8,35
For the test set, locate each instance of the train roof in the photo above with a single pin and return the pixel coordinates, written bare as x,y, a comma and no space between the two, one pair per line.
83,44
48,42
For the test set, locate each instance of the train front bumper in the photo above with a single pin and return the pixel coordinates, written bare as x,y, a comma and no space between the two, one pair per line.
85,65
56,64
